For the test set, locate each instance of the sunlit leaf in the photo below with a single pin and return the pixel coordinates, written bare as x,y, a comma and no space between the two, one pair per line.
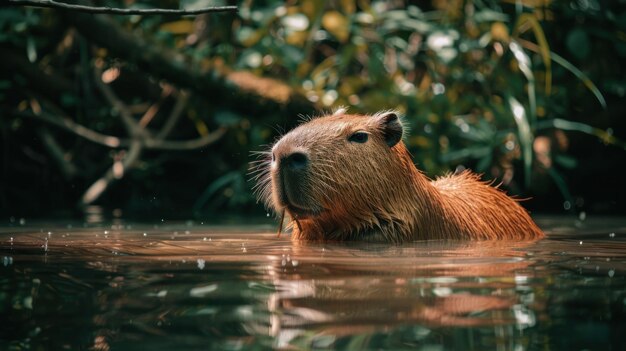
488,15
348,6
295,22
248,36
337,24
524,134
499,32
527,19
524,65
31,49
178,27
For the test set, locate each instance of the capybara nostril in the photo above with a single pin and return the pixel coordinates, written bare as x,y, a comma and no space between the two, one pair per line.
296,161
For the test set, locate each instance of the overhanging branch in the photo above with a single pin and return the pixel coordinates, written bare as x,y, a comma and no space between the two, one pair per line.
117,11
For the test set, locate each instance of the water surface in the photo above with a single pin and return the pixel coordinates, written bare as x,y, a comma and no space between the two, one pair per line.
186,286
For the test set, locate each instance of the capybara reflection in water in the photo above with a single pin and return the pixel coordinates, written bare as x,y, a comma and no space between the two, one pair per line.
350,177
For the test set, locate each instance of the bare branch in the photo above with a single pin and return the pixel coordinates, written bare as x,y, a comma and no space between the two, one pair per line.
67,168
132,127
175,115
175,145
100,185
80,130
118,11
241,91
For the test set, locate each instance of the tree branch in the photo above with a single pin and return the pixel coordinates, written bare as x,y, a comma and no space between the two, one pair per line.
100,185
132,127
118,11
177,112
240,91
175,145
67,168
80,130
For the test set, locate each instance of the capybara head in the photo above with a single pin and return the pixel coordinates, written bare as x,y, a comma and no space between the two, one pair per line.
336,172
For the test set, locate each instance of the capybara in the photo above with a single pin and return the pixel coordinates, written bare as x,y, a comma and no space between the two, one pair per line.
350,177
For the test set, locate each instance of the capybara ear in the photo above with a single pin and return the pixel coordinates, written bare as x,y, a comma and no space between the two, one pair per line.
391,127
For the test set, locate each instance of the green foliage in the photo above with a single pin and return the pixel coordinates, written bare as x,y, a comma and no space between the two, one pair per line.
477,81
473,79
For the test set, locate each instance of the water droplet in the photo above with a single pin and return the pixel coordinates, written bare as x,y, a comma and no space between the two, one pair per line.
186,232
611,273
204,239
567,205
22,221
201,263
611,235
295,263
11,240
145,234
267,214
582,215
580,243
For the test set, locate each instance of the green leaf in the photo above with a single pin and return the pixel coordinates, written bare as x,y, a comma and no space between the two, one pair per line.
484,163
565,161
563,124
561,185
524,63
525,136
580,75
578,43
470,152
31,49
488,15
542,42
227,118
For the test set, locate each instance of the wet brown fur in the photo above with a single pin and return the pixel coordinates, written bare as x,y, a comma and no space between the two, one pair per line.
374,192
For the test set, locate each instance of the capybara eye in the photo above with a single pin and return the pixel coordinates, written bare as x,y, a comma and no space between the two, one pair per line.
358,137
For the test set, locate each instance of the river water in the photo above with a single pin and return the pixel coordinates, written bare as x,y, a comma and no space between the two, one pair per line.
187,286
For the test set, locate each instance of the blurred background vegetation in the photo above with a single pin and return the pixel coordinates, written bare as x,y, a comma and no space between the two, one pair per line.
157,115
